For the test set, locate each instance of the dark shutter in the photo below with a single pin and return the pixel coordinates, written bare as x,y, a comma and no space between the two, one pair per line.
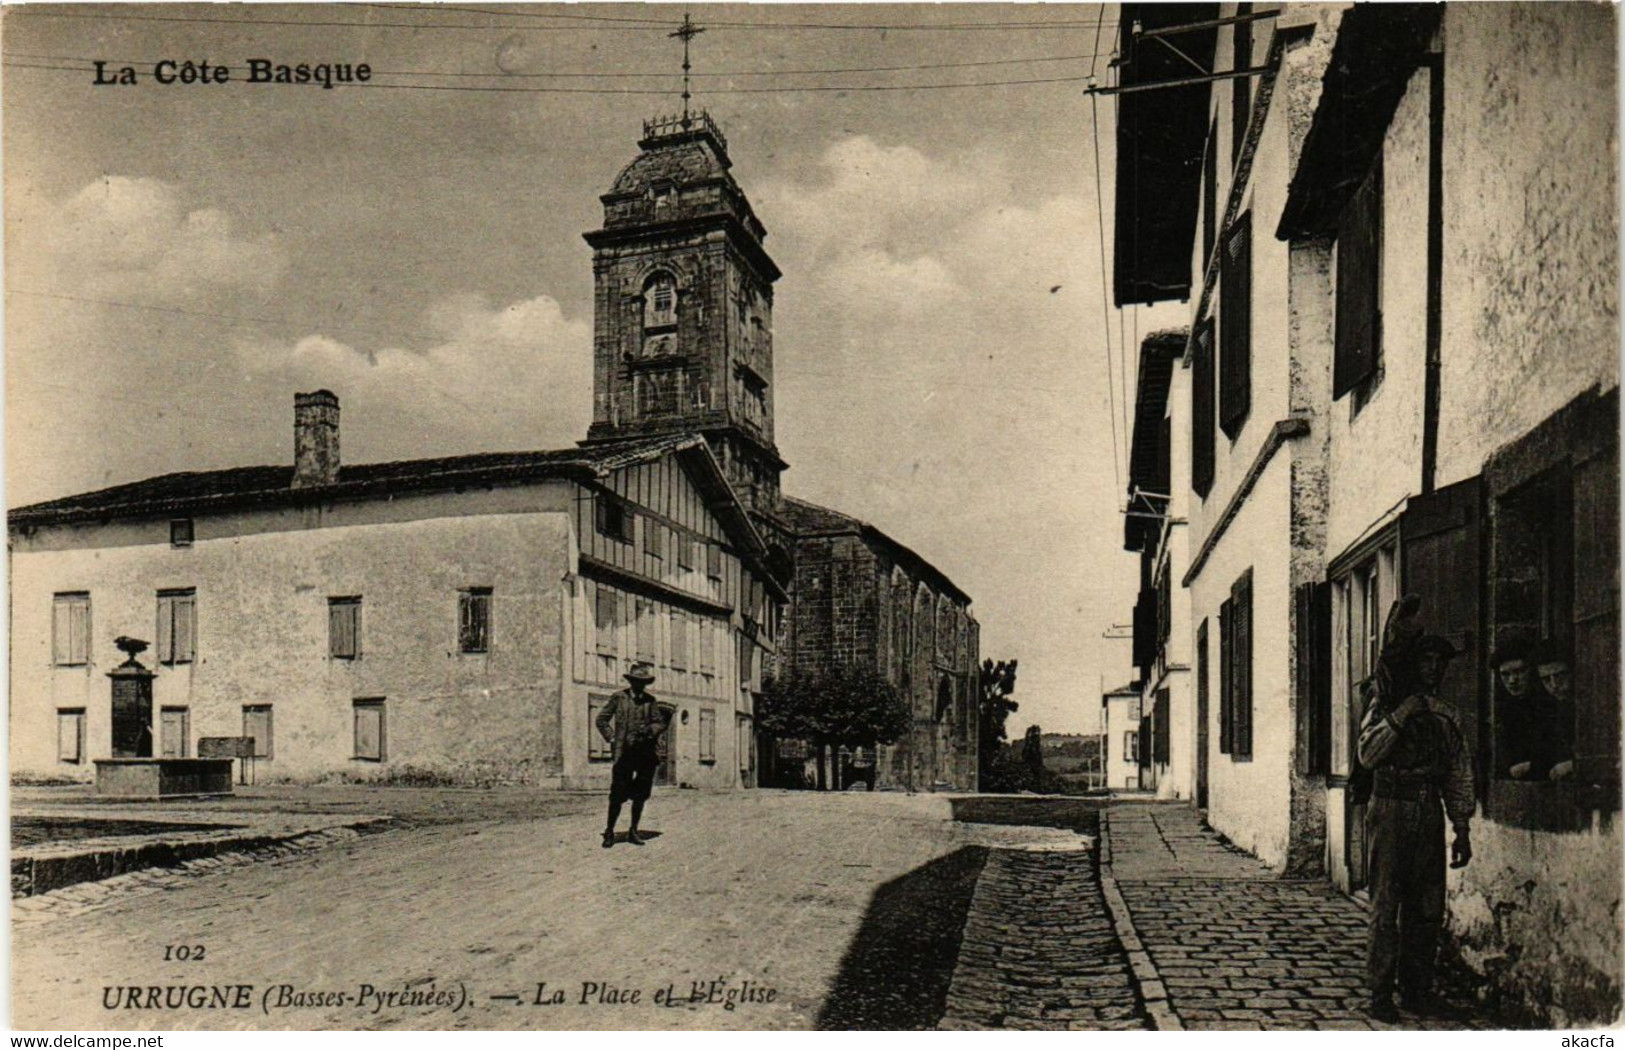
1314,702
1596,622
1201,713
1202,411
1143,741
1160,728
1235,326
1440,538
1241,93
1145,632
1359,303
1241,665
1226,676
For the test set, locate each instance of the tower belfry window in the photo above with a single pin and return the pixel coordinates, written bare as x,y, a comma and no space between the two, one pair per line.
660,301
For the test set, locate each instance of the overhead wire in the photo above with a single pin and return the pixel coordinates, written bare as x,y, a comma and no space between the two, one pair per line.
659,27
622,75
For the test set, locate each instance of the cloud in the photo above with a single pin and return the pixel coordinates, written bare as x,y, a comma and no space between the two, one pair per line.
496,377
141,238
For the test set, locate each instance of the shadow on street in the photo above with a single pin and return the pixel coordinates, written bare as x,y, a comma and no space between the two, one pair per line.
896,971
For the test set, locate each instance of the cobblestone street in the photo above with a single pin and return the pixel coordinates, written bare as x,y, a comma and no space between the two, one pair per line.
858,911
1234,945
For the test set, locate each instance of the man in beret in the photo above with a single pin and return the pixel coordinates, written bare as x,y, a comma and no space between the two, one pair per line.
1422,772
634,723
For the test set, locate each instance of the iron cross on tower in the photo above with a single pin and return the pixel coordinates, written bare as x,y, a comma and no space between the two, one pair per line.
688,31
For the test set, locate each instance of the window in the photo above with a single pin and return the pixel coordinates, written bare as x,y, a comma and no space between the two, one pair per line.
685,552
598,749
473,621
679,640
1131,747
369,730
647,628
708,735
606,617
706,630
180,532
1241,88
70,629
612,518
1236,670
344,628
713,561
257,725
1358,351
660,301
654,538
70,734
1235,326
177,626
1202,411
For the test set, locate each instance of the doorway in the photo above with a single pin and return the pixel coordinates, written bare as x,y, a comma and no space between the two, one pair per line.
174,732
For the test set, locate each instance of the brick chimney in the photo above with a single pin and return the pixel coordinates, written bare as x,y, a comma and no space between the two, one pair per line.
315,439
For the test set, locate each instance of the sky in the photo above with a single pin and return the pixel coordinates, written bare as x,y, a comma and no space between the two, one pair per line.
180,259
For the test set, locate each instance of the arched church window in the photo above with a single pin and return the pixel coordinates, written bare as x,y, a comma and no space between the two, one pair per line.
660,301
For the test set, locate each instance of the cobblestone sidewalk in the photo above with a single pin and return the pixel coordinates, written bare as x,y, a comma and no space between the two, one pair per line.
1231,943
1039,950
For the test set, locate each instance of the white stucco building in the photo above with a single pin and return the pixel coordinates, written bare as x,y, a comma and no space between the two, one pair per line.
453,619
1401,258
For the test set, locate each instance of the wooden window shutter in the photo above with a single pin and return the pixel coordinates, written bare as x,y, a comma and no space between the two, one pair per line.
1359,285
1440,537
1202,411
166,629
1595,666
1160,739
1241,664
1314,664
1236,326
1226,678
1241,88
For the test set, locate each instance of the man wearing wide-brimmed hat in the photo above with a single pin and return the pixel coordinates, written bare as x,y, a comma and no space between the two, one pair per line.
1422,771
634,723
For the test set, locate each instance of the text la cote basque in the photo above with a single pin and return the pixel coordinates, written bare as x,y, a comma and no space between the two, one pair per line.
260,71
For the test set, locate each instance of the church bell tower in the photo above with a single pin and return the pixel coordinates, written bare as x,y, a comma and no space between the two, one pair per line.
683,307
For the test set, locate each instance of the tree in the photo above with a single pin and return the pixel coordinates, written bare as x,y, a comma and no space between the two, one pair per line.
850,706
1032,754
994,706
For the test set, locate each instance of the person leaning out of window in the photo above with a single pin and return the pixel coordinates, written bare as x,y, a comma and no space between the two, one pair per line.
1537,711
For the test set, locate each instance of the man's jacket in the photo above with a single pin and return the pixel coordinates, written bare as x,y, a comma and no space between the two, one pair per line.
633,726
1425,748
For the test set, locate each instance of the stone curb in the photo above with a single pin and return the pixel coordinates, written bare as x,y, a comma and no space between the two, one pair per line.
35,875
1147,980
